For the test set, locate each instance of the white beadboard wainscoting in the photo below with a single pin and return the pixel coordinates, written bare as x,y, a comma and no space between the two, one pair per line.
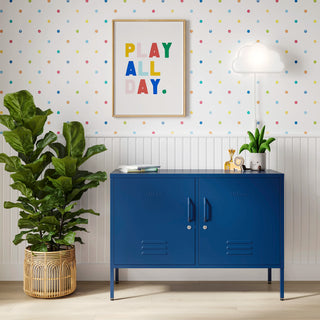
297,157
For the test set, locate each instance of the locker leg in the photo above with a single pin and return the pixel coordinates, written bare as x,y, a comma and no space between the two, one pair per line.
111,283
269,275
282,283
117,275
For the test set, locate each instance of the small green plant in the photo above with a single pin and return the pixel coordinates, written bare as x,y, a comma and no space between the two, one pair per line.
257,142
49,184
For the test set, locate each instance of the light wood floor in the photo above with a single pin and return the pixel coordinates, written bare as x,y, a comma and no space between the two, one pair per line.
166,301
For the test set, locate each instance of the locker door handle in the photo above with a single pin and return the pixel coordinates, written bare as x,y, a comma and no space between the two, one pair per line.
190,210
205,210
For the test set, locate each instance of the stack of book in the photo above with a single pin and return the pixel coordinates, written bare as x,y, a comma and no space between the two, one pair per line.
139,168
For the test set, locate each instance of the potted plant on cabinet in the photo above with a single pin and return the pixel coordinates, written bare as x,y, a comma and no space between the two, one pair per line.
257,147
49,185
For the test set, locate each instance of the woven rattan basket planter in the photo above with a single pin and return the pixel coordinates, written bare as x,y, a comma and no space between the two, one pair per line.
49,274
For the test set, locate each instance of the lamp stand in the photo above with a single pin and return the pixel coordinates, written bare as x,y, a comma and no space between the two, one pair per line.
255,99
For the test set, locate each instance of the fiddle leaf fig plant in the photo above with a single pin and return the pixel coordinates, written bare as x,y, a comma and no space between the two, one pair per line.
257,142
50,183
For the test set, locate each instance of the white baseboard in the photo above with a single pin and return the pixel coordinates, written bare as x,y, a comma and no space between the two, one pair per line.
100,272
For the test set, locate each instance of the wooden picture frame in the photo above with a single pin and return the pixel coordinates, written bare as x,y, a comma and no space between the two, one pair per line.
148,68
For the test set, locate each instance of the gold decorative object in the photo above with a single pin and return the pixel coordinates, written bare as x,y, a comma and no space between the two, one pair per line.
235,165
49,274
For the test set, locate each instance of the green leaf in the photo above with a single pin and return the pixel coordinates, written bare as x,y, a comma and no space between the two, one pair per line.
75,222
67,209
50,220
97,176
25,200
41,247
78,239
71,215
66,166
91,152
53,200
73,132
20,105
7,121
20,139
43,113
62,183
34,218
77,192
49,138
270,140
262,148
252,147
251,136
261,135
18,237
244,147
59,148
26,224
41,188
68,239
35,124
52,173
256,135
18,185
48,237
265,146
81,211
33,238
25,176
23,206
13,163
24,215
76,228
39,165
47,228
23,157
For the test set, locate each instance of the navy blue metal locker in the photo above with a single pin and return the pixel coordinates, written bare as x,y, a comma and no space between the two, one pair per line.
197,219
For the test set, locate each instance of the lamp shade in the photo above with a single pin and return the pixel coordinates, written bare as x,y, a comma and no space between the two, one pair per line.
257,59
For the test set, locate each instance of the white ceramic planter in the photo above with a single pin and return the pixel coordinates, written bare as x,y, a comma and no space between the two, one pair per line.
257,160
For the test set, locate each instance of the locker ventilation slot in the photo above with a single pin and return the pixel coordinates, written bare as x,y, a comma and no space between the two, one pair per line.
154,247
239,247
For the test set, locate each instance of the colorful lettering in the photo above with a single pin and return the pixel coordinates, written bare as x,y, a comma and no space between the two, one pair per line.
131,69
140,70
152,72
154,52
155,83
142,87
130,47
129,87
139,54
166,47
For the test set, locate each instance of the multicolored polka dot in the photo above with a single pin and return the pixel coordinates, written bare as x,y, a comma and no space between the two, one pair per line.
73,70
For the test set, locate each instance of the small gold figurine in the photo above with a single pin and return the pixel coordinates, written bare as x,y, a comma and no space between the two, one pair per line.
236,165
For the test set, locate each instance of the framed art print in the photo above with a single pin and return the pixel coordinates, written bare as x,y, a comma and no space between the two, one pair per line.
148,68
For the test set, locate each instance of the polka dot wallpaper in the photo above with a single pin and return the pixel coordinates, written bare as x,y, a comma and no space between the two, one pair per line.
61,51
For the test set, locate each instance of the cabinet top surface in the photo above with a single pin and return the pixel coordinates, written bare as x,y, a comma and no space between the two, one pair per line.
202,172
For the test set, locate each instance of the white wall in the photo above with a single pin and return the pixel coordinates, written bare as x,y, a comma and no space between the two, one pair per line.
297,157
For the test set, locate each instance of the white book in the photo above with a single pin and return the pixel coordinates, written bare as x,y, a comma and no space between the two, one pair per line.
139,168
